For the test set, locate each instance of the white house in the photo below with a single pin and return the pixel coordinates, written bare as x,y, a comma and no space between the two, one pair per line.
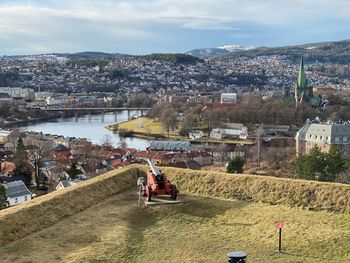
195,134
228,98
68,182
224,133
17,193
64,184
57,100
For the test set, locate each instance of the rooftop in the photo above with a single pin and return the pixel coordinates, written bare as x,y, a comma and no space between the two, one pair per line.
16,189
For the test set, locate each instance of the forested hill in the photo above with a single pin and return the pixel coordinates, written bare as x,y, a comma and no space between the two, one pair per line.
94,54
327,52
174,58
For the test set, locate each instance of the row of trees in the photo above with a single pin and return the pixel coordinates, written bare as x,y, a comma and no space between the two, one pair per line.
273,111
9,78
320,166
166,114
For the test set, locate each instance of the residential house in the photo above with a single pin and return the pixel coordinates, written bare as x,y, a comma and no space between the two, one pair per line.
63,184
229,133
195,134
61,152
228,98
67,182
17,193
7,168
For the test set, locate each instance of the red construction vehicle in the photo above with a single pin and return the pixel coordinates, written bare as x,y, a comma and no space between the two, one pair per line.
156,185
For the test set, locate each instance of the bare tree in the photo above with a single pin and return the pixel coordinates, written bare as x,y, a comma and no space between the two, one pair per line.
107,141
168,119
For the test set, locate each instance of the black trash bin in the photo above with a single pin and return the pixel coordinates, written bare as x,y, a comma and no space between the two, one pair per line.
237,257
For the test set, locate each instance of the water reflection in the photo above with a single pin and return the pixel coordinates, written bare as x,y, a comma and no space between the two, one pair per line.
91,127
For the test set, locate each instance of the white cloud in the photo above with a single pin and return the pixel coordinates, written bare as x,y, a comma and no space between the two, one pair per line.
43,24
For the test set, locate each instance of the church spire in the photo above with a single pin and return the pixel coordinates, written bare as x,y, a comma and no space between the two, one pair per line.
302,80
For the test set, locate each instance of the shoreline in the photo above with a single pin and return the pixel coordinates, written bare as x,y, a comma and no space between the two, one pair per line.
156,136
13,124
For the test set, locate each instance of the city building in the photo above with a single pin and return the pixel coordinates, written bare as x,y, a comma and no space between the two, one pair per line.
57,100
228,98
323,135
170,145
20,93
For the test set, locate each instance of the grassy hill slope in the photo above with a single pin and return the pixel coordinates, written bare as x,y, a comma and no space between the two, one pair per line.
201,229
99,221
271,190
44,211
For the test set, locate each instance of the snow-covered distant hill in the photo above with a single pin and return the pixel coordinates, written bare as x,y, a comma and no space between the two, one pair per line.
233,48
218,51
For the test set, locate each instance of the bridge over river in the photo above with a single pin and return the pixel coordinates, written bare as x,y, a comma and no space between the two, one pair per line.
100,110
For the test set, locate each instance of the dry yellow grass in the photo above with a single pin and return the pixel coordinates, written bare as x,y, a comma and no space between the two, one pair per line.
47,210
89,223
271,190
142,125
201,229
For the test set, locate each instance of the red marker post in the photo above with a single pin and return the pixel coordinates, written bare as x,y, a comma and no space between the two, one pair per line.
280,226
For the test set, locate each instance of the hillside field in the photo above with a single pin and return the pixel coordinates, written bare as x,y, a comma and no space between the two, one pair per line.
99,221
201,229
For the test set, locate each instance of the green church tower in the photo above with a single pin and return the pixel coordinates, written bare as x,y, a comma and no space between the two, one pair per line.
302,80
303,92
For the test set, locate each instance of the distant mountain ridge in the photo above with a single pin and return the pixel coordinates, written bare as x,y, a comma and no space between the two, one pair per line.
96,54
217,51
324,52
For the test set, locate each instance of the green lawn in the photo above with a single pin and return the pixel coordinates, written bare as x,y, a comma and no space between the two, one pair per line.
145,126
199,230
142,125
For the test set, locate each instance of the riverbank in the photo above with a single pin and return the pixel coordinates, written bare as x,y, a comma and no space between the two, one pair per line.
91,127
53,116
144,128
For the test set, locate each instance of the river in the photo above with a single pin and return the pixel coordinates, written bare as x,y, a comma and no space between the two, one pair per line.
90,127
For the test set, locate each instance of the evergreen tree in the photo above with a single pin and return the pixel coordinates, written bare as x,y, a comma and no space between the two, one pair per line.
235,165
335,163
2,196
320,166
73,171
20,157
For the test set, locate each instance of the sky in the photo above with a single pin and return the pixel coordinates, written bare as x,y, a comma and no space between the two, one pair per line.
148,26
